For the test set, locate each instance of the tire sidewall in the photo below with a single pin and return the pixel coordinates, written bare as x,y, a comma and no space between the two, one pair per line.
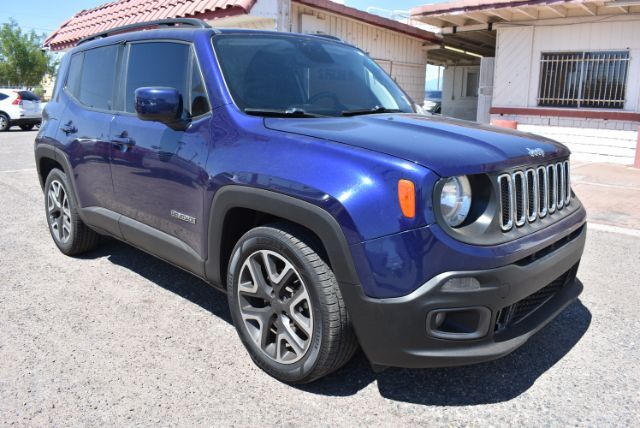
262,240
56,174
8,123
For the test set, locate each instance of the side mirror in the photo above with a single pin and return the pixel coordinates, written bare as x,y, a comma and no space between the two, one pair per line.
161,104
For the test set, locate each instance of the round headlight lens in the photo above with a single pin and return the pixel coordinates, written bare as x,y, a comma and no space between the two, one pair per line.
455,200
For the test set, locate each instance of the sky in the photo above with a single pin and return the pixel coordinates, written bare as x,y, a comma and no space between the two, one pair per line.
44,16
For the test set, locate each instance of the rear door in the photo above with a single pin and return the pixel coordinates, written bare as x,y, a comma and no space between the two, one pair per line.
85,125
158,173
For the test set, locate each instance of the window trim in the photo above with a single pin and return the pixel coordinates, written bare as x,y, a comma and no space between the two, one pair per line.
125,74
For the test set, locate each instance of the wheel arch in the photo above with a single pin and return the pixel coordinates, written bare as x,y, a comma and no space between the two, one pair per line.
277,207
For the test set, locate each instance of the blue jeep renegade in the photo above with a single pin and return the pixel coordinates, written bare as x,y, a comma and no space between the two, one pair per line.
291,172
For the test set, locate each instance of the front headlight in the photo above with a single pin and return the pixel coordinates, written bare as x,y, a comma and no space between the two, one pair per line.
455,200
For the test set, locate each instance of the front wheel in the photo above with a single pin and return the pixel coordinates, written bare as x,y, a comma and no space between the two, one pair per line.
286,305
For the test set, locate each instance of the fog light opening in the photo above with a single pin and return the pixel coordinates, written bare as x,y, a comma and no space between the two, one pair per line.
460,324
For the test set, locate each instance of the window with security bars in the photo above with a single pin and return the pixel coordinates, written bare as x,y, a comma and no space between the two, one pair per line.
583,79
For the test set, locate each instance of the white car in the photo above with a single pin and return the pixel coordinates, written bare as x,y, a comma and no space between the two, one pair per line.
19,108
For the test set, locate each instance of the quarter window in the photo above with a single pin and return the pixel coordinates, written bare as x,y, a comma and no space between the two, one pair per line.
583,79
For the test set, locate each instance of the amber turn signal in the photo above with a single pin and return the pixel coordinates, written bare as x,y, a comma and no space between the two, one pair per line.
407,198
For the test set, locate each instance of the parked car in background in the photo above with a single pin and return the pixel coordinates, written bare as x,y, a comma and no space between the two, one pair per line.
432,102
19,108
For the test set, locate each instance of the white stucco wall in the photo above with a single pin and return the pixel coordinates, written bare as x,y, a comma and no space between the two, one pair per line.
519,49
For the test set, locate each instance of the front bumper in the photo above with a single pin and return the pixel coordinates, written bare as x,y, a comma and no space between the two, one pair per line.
394,331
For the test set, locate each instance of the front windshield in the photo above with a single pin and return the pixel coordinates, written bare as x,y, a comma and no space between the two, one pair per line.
305,75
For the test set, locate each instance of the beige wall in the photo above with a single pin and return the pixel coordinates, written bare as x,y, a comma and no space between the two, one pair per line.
400,55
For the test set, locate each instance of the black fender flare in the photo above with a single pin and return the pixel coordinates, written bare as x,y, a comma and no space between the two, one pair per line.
55,154
308,215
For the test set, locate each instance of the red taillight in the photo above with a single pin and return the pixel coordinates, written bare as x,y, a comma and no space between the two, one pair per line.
18,100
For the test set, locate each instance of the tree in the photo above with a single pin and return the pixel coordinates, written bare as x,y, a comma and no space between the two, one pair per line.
22,60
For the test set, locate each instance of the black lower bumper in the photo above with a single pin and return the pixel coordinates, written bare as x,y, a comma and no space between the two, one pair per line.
509,304
26,121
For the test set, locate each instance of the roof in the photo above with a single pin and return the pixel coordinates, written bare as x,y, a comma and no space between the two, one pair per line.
124,12
461,13
370,18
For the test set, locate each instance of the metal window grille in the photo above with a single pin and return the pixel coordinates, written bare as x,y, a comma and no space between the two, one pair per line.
583,79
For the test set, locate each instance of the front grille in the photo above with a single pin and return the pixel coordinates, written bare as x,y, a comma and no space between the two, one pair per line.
515,313
530,194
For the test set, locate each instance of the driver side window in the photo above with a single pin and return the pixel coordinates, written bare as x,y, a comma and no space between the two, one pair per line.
168,64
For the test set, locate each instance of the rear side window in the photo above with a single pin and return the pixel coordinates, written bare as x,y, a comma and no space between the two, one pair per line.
28,96
92,75
3,96
157,64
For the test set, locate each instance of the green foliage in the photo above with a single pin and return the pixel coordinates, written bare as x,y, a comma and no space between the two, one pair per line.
22,61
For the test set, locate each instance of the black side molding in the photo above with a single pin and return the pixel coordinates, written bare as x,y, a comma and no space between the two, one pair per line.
286,207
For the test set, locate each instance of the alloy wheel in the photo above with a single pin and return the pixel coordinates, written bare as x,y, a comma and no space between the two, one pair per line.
59,212
3,122
275,306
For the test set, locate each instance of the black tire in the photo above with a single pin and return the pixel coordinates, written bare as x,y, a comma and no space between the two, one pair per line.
5,122
27,127
76,237
332,342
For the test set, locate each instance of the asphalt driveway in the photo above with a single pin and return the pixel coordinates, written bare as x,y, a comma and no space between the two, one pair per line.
120,338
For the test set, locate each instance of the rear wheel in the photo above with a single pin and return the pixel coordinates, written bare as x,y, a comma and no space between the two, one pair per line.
28,127
68,231
4,122
286,305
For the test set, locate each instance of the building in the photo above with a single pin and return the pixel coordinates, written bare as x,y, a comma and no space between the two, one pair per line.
399,48
567,69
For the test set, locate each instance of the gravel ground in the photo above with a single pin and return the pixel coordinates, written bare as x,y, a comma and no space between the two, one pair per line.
120,338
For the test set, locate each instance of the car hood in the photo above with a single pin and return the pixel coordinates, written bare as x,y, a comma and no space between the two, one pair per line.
446,146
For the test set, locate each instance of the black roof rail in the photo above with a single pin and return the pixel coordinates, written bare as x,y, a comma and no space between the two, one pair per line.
329,36
187,22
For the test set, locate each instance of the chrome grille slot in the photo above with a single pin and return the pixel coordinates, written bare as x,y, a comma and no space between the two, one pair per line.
560,189
567,194
543,188
552,185
506,198
520,197
533,193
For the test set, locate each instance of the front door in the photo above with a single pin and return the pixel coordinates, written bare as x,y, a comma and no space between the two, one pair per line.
158,173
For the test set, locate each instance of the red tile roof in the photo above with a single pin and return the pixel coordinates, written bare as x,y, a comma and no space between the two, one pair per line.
123,12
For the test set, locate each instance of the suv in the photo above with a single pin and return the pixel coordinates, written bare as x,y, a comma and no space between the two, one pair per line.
19,108
292,173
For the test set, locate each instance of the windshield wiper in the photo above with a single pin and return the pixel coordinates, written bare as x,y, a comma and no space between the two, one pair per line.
373,110
290,112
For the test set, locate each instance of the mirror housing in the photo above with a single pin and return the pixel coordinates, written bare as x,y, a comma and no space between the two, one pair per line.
161,104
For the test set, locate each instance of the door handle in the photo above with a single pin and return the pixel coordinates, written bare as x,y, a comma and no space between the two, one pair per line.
69,128
123,142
